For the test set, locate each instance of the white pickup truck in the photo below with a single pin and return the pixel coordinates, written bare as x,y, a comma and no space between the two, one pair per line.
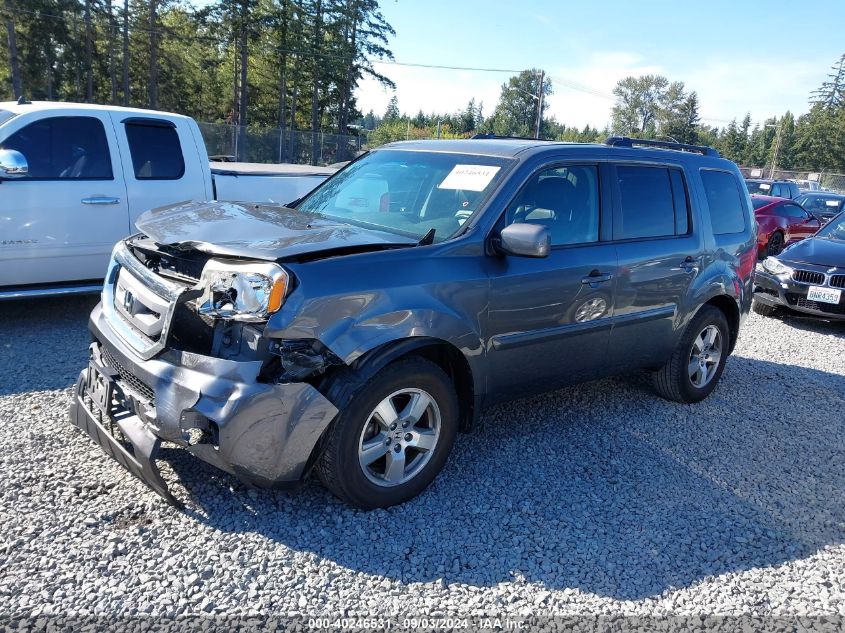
75,177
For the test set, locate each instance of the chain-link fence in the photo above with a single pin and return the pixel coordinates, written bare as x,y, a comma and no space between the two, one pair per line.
276,145
806,179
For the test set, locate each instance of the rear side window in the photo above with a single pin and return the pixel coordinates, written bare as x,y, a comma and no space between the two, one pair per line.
156,152
653,203
63,148
724,198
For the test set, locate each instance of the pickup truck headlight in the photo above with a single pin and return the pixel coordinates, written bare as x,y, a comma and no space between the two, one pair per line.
775,266
242,291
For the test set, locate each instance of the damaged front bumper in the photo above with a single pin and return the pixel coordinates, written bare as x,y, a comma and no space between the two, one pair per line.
216,409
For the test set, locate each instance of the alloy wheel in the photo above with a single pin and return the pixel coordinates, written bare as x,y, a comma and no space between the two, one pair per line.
705,356
399,437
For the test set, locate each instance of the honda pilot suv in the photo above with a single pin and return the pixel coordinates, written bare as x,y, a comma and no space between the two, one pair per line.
355,333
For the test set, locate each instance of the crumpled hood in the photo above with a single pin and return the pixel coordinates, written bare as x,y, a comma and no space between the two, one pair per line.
819,251
258,231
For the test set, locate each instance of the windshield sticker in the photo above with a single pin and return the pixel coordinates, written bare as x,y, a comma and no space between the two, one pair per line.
469,177
765,186
832,203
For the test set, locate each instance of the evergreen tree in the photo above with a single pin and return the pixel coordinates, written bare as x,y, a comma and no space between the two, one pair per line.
392,112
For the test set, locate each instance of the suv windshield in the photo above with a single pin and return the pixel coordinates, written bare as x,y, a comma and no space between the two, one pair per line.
408,192
5,115
757,186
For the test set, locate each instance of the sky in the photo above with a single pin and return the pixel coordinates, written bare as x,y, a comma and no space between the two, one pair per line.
740,56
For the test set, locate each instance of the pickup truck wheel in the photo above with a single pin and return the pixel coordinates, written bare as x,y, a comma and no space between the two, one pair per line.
393,438
697,363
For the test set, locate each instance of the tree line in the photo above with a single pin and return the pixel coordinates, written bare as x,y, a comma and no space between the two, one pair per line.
648,106
285,63
295,64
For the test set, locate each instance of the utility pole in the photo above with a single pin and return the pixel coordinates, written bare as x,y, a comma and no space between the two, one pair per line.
539,104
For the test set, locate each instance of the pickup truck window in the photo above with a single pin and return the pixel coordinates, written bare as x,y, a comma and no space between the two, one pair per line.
64,148
565,200
723,193
408,192
156,152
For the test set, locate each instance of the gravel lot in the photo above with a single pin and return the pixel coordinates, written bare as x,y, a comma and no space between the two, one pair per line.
600,499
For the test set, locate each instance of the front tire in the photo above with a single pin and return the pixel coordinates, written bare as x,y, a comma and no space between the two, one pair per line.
696,365
393,438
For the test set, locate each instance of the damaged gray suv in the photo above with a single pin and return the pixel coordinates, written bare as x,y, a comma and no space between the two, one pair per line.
355,332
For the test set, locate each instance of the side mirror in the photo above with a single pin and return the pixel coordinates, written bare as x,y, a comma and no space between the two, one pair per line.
525,240
12,164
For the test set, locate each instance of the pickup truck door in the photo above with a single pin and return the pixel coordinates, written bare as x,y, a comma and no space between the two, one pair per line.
549,318
60,221
162,164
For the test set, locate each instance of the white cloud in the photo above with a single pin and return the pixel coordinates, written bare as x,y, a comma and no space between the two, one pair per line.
727,89
430,90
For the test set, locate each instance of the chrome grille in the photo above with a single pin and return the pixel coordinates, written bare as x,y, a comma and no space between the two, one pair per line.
837,281
808,277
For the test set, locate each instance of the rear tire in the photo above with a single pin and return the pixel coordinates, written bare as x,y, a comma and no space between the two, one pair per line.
390,442
696,365
763,309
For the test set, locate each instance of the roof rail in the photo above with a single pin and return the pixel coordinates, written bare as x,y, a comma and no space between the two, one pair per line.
496,136
625,141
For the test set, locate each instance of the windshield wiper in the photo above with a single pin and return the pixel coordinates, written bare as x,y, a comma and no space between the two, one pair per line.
428,238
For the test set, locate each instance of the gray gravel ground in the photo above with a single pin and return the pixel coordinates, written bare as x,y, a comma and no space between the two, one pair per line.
600,499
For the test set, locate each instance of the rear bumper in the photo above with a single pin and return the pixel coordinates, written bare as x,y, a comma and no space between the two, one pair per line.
216,409
784,292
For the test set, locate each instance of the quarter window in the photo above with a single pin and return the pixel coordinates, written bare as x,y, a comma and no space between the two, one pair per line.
563,199
63,148
155,149
727,211
647,203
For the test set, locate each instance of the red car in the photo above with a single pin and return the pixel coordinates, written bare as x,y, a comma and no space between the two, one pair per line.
780,222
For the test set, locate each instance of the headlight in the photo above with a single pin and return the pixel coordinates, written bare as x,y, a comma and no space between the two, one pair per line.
242,291
775,266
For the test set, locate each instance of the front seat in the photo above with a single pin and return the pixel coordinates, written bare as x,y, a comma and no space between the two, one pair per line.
551,200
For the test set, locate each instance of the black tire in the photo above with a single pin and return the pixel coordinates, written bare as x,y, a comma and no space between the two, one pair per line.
775,244
672,381
339,468
763,309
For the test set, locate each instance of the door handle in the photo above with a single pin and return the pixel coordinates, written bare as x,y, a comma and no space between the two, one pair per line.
691,263
595,278
101,200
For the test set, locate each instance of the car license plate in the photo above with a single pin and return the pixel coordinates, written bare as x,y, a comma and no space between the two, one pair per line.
824,295
99,387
